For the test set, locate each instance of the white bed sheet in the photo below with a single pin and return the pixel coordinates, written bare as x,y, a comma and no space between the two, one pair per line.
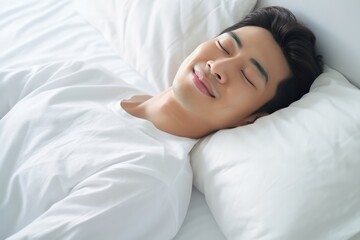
34,32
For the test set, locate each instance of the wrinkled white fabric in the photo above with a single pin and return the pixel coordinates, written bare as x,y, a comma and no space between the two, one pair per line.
74,165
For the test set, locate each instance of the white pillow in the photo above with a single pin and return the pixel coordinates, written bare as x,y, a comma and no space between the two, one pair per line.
294,174
155,36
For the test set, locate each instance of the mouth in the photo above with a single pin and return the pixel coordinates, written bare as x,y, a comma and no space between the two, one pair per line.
202,83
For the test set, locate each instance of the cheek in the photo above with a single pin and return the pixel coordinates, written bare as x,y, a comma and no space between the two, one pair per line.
185,64
242,101
204,51
183,71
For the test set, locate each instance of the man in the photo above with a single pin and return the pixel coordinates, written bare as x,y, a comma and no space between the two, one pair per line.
79,162
255,67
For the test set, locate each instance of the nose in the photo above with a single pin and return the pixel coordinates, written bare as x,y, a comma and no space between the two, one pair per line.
218,70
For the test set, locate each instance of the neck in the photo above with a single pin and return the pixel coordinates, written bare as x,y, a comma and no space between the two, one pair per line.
167,114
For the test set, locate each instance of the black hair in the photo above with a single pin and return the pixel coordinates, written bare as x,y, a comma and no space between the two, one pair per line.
298,46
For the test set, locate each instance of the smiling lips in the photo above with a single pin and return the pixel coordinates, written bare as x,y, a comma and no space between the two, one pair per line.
202,83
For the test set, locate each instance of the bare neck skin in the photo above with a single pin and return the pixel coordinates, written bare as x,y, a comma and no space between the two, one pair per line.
167,114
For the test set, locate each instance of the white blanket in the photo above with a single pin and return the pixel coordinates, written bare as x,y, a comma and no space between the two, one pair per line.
38,32
74,165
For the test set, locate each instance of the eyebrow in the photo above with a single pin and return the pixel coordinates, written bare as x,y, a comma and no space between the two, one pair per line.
260,68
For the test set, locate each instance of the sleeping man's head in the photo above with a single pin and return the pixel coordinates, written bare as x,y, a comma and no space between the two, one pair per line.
255,67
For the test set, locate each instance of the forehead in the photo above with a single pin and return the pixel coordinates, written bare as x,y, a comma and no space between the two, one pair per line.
260,45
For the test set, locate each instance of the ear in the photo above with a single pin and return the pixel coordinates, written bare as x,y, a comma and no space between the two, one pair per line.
252,118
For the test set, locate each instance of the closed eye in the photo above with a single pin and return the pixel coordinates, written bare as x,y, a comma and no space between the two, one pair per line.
247,79
222,48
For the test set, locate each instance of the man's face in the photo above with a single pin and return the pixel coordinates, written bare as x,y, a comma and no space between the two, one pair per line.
228,78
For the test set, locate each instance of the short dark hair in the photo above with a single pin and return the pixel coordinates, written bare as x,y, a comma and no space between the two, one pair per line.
298,45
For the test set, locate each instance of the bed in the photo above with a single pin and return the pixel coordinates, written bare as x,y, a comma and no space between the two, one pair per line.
303,184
